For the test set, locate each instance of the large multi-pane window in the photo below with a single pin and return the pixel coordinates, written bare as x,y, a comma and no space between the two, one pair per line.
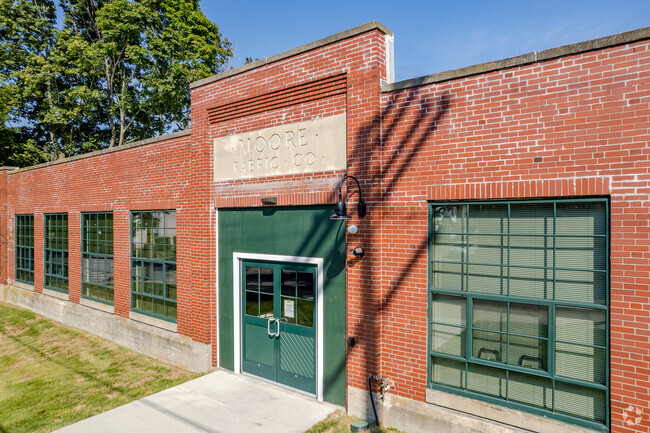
519,305
97,256
56,252
25,248
153,263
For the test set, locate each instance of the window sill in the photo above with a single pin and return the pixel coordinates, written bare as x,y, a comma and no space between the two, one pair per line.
500,414
169,326
86,302
55,294
23,286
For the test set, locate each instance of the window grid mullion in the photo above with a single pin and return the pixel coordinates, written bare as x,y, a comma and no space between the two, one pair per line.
550,304
151,245
98,276
469,305
56,258
607,302
507,360
24,248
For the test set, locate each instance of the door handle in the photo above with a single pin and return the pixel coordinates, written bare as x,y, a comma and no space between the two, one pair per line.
268,328
277,332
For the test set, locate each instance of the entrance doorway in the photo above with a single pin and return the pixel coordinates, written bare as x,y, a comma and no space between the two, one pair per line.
279,320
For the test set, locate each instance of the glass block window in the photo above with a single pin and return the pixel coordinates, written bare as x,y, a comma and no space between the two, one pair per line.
97,256
518,303
56,252
153,263
25,248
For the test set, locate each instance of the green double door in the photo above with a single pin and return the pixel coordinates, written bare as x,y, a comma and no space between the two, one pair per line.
279,322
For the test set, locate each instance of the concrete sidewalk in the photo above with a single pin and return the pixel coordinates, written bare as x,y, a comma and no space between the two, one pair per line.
219,402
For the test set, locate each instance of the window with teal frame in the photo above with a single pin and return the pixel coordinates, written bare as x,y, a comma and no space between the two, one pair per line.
56,252
97,256
25,249
153,263
518,305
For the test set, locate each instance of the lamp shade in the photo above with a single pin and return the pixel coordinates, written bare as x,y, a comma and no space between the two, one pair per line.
340,212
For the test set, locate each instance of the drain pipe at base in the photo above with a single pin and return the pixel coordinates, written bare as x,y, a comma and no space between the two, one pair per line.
372,399
384,385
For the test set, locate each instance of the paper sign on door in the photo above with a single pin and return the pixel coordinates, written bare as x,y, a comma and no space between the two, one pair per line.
289,308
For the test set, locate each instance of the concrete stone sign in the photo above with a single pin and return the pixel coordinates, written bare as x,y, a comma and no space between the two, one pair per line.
303,147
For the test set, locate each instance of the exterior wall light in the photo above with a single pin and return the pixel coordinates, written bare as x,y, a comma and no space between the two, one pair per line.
340,209
357,252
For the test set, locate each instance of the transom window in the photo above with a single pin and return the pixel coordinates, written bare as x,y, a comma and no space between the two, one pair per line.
153,263
56,252
25,248
518,305
97,256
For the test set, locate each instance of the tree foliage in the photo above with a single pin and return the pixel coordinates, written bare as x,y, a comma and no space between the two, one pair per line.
111,72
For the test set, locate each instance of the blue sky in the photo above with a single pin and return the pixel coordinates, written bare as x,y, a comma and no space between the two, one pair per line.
430,36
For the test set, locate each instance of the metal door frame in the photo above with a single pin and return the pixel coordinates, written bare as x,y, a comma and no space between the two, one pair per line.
237,259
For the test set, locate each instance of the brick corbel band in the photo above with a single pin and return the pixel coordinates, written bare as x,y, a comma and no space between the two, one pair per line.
284,199
583,186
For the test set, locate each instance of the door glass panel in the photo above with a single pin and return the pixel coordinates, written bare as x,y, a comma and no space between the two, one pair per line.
288,283
306,285
252,303
284,293
305,313
252,278
266,280
266,305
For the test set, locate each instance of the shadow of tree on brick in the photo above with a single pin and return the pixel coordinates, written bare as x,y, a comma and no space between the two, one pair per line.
378,182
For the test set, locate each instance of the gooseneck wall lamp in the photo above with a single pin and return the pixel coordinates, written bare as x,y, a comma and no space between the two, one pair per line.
340,209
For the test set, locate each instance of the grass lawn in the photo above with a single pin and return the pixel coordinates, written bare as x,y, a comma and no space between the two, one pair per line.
339,422
52,375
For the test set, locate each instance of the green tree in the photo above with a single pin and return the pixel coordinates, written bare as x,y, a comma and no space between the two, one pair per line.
145,54
114,72
27,35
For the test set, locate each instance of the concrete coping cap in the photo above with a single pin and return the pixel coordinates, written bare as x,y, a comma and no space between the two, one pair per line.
126,146
374,25
524,59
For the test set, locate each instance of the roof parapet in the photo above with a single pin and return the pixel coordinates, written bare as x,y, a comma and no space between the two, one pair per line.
524,59
144,142
374,25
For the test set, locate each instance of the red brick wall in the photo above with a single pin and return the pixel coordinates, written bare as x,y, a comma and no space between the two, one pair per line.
362,59
574,126
4,236
177,174
153,176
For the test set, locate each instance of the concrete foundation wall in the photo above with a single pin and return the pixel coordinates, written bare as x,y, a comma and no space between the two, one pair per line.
448,413
151,340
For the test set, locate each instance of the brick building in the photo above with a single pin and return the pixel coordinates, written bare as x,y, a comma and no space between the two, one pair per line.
498,281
